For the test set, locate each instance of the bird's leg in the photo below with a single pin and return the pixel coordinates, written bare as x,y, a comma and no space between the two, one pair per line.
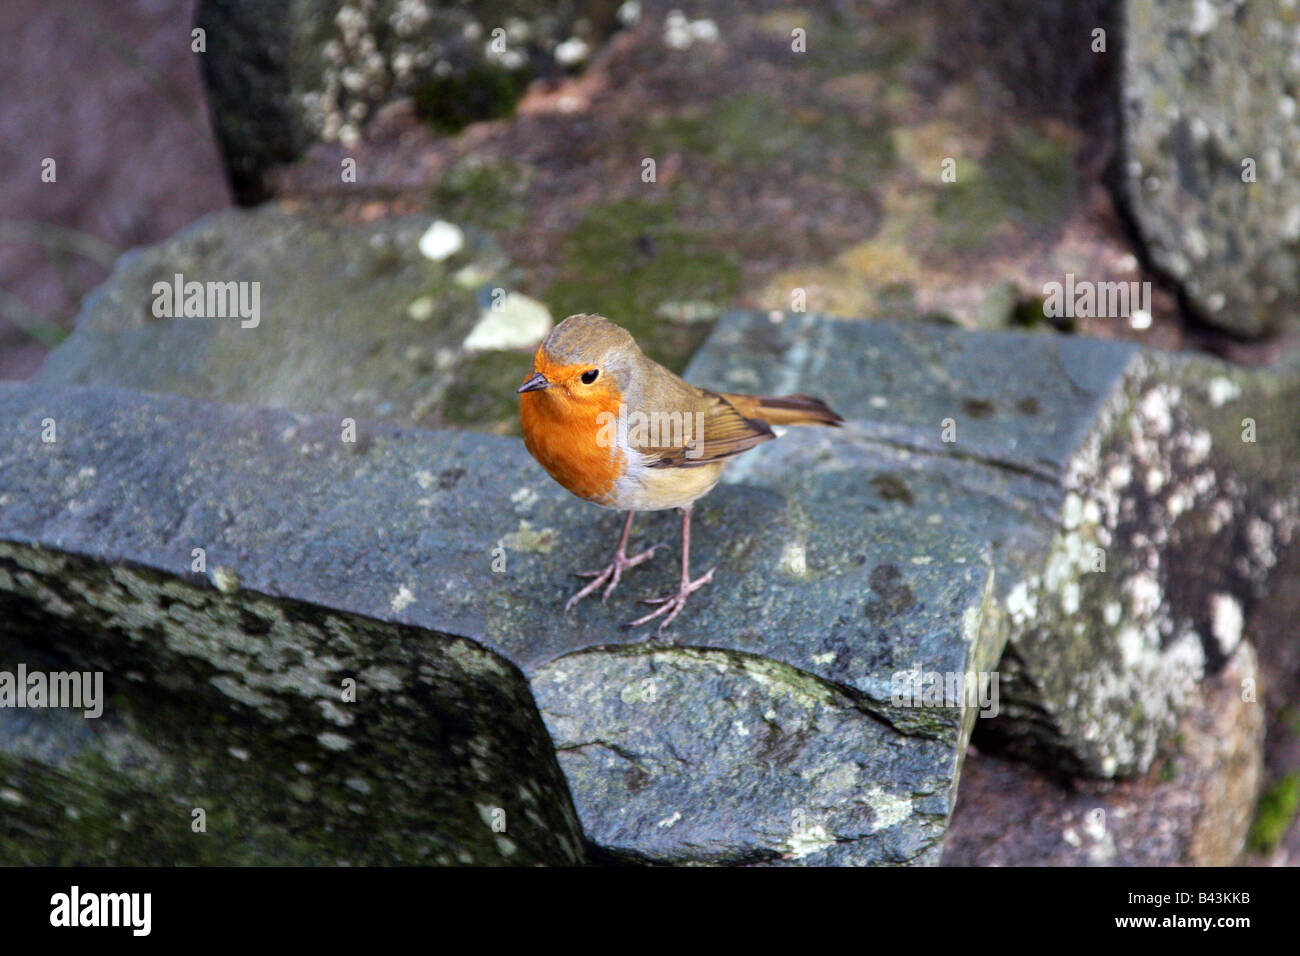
672,604
610,574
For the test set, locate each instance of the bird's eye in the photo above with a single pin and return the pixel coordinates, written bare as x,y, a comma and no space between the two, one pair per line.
590,376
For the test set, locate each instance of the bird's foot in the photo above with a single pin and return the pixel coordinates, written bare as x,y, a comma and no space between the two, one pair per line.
609,575
672,604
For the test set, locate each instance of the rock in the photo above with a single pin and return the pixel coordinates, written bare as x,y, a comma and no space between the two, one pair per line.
282,76
690,755
404,527
232,704
354,322
516,322
1190,511
1113,486
441,241
865,573
1211,158
226,694
1192,809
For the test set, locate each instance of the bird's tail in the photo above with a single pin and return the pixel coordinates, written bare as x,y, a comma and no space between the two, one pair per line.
785,409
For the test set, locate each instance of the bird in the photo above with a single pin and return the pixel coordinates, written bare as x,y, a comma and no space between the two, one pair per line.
616,428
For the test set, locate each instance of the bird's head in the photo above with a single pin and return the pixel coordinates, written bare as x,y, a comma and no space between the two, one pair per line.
586,362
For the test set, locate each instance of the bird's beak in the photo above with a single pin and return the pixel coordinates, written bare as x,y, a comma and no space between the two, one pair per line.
535,381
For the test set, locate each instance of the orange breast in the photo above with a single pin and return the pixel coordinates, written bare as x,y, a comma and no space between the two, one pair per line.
565,437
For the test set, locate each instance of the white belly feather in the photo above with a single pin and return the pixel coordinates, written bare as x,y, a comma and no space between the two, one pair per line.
643,488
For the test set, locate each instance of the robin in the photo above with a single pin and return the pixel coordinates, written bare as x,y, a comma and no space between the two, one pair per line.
618,429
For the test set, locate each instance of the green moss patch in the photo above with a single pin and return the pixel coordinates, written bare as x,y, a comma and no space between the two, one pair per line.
1025,181
483,393
491,196
627,257
1276,811
754,132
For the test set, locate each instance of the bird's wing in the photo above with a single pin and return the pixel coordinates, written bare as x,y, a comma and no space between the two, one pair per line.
785,409
713,429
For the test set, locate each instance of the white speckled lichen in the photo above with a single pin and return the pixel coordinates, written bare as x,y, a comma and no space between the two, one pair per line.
377,50
1116,655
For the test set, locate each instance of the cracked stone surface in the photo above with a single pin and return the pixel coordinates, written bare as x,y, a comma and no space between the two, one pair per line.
1212,150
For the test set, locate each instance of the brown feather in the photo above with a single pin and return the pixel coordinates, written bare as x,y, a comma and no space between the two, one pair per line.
785,409
725,432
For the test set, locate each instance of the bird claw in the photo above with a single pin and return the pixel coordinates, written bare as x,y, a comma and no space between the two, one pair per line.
611,573
672,604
